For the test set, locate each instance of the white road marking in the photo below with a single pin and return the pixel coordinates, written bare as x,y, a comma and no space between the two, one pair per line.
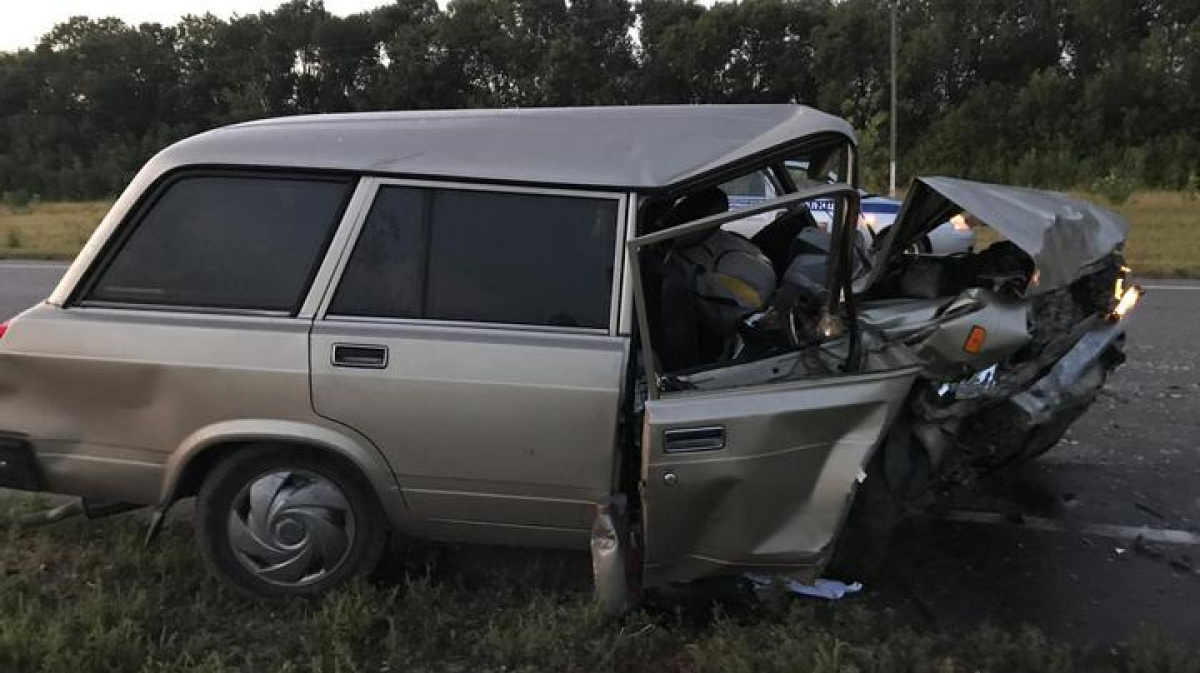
1171,287
1116,532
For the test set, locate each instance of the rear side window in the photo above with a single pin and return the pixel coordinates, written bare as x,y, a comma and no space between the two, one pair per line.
480,256
226,242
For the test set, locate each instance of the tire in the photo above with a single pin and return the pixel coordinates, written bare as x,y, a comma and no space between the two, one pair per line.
326,526
897,478
861,550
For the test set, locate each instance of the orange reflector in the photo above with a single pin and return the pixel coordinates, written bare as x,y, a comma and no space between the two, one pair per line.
975,339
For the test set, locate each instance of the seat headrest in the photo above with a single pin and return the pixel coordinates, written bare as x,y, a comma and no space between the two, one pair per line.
704,203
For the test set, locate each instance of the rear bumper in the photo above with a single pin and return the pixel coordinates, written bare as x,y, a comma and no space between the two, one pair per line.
18,467
98,473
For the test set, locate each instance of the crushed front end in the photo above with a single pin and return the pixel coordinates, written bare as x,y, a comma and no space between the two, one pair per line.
1016,340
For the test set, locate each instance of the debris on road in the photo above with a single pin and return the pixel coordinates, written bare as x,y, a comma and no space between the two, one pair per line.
89,510
1183,563
46,517
1150,510
830,590
1147,549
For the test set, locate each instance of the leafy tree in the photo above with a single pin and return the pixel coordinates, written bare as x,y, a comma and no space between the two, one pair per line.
1056,93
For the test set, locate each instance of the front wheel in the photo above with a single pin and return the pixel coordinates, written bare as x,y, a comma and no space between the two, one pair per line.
897,479
278,522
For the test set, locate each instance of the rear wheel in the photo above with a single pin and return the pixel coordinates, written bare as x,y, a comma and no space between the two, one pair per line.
280,522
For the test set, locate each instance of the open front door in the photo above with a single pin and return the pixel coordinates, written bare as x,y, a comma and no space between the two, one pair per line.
758,478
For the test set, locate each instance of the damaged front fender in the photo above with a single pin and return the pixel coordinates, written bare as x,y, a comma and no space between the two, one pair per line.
956,337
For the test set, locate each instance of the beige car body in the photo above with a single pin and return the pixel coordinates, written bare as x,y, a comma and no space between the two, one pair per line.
468,432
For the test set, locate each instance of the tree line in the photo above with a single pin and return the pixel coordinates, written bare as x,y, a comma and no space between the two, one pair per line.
1053,93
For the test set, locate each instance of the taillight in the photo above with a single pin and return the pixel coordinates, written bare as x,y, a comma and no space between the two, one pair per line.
3,329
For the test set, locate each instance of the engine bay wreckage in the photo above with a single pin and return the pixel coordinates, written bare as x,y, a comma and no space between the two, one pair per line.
784,373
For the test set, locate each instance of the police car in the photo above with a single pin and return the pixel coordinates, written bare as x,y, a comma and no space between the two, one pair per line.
877,213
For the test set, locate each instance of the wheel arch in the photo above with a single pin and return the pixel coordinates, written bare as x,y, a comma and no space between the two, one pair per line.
204,449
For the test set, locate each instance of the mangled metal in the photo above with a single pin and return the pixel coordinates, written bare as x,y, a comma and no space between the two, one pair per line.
1064,236
772,497
988,357
1061,276
937,331
610,545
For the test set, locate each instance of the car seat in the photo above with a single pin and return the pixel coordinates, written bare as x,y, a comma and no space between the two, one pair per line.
710,282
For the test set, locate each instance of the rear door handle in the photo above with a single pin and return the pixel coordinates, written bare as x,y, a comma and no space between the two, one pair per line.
360,356
691,440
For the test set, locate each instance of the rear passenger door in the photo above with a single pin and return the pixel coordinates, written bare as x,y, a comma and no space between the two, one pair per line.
470,334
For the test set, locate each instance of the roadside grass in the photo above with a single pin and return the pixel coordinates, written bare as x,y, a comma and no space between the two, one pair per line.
1164,241
83,596
48,230
1164,237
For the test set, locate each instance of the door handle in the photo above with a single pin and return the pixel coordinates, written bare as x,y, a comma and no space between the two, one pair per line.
691,440
360,356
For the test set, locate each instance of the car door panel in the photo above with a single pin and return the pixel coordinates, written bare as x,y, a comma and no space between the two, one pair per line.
776,492
480,425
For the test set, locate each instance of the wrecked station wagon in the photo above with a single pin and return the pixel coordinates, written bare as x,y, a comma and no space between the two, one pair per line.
538,327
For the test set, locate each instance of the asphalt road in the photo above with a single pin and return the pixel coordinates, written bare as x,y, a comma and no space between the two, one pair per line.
23,284
1060,549
1053,543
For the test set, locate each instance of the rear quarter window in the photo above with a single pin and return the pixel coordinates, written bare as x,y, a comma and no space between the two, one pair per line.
225,242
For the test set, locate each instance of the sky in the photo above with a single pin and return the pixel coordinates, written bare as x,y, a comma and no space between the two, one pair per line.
23,22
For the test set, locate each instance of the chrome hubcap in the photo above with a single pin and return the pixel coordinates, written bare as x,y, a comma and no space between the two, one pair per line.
291,527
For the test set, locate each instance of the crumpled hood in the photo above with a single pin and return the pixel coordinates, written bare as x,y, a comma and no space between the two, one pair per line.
1063,235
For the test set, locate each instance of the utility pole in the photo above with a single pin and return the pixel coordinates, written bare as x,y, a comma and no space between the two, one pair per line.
892,116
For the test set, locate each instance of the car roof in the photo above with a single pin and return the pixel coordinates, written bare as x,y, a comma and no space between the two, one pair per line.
632,147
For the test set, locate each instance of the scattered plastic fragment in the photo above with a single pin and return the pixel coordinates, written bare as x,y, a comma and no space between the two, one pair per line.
1183,564
830,590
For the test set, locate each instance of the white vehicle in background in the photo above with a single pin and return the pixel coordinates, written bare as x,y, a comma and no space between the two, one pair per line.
954,237
877,213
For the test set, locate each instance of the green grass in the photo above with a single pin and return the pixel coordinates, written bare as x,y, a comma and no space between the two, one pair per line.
1164,236
48,230
1164,241
83,596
